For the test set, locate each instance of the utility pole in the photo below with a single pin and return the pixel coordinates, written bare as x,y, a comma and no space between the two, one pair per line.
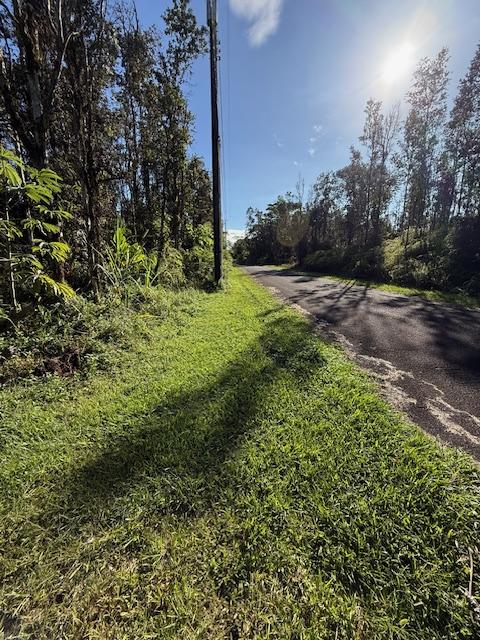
217,205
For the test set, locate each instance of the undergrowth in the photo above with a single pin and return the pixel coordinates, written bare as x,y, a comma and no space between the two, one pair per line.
79,336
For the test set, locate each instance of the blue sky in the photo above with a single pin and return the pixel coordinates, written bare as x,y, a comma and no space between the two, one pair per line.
295,76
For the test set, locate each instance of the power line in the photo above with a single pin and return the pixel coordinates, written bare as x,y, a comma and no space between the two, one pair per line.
216,180
225,130
223,138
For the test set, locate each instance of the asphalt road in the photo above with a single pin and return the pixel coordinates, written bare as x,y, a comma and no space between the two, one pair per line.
425,355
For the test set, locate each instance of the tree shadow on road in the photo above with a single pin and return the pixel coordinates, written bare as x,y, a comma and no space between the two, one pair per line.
451,332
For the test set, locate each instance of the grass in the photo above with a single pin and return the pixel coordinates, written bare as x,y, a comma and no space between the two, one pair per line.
233,477
459,298
451,297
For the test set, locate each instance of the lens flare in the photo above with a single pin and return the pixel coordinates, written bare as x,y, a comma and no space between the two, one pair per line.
398,63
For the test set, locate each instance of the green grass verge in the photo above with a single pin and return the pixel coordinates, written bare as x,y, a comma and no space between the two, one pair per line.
232,477
459,298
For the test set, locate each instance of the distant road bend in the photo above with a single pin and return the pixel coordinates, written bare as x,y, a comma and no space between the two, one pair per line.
425,355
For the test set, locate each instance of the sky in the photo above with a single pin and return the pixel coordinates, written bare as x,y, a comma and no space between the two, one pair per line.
295,76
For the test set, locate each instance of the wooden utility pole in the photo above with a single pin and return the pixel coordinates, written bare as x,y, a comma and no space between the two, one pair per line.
217,205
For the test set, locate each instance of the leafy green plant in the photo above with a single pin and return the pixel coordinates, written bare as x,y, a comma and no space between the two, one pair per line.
30,230
126,264
171,269
199,258
122,261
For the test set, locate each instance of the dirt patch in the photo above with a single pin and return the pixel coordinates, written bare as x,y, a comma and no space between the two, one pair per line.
16,365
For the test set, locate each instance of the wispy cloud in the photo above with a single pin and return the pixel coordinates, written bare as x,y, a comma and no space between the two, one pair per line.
280,144
318,131
296,163
263,16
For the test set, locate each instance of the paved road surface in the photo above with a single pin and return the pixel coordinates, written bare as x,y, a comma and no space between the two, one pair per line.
426,355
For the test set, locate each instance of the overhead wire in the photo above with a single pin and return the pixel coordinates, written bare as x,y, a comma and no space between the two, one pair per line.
224,146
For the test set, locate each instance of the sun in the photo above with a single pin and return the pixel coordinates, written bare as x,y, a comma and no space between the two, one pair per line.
398,63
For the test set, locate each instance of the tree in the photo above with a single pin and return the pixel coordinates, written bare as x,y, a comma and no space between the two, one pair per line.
323,209
274,235
354,179
85,88
186,41
404,210
87,142
371,137
138,50
463,142
37,35
422,131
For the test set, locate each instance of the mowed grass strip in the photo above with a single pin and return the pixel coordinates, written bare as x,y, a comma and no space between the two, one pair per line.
233,477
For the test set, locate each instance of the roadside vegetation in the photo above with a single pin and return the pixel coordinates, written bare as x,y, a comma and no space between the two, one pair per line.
104,212
404,210
47,326
95,134
229,476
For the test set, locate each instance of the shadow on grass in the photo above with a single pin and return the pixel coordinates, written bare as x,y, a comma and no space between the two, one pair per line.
180,447
176,456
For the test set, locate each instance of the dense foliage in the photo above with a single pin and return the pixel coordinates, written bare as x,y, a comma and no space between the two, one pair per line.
88,94
406,209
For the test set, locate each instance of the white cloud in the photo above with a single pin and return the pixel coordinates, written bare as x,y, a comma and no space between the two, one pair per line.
296,164
318,129
280,144
233,235
263,16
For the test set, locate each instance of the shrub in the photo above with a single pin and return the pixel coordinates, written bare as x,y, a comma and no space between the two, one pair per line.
30,226
198,259
422,262
240,251
125,263
170,270
464,255
325,260
365,262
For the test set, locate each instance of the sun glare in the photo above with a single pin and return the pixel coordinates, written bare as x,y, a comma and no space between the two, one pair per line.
398,63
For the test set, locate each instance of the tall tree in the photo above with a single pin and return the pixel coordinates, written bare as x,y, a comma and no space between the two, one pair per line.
186,41
379,137
463,142
323,208
36,36
423,127
90,138
138,50
85,88
355,178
